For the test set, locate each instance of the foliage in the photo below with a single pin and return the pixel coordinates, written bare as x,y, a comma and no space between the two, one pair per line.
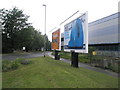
38,41
48,44
23,61
12,65
84,58
48,73
9,65
65,55
94,60
91,49
5,65
18,33
12,21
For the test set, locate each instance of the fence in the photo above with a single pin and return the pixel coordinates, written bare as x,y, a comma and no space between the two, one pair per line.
104,59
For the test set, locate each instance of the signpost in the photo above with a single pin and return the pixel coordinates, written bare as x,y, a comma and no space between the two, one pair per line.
76,37
56,44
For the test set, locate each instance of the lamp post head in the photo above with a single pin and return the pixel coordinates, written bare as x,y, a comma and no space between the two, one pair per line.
44,5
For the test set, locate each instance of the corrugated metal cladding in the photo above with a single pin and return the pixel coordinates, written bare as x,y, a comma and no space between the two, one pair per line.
119,28
104,31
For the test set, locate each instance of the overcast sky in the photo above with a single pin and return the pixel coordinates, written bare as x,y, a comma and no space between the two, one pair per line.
59,10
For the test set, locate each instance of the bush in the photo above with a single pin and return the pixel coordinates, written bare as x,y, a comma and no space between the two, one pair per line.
8,65
84,58
110,66
23,61
14,65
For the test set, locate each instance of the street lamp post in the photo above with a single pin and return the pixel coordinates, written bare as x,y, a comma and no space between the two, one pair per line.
45,31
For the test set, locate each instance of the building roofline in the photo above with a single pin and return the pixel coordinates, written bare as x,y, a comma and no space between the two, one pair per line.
104,18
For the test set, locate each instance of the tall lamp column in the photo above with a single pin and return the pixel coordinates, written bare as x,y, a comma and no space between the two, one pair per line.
45,31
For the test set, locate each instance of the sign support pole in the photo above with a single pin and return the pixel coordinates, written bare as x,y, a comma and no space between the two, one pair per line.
57,56
74,59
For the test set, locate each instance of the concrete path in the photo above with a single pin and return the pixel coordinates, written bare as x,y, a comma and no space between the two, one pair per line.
89,67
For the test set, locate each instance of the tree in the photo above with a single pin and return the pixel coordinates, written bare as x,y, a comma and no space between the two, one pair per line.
17,33
38,41
25,38
12,21
48,44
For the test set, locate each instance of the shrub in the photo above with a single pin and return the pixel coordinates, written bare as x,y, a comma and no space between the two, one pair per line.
14,65
23,61
8,65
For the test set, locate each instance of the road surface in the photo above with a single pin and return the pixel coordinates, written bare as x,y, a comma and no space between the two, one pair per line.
22,55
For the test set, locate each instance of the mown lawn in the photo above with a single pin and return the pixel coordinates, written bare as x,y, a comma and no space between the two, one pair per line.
49,73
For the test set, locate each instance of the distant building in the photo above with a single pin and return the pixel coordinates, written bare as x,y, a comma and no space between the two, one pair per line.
103,35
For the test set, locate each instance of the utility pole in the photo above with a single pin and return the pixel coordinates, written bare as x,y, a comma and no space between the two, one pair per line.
45,31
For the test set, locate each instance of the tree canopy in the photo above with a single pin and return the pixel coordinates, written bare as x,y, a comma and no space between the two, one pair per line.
18,33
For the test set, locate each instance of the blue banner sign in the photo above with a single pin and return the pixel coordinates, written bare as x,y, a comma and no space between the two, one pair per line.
76,35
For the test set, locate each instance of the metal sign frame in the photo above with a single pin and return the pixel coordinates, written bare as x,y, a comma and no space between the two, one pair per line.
56,40
76,34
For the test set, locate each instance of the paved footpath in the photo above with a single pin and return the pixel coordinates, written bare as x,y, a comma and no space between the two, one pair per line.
90,67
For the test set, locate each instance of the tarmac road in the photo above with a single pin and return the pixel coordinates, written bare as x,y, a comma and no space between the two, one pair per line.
22,55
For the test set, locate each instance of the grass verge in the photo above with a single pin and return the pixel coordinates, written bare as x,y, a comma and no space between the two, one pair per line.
49,73
84,58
